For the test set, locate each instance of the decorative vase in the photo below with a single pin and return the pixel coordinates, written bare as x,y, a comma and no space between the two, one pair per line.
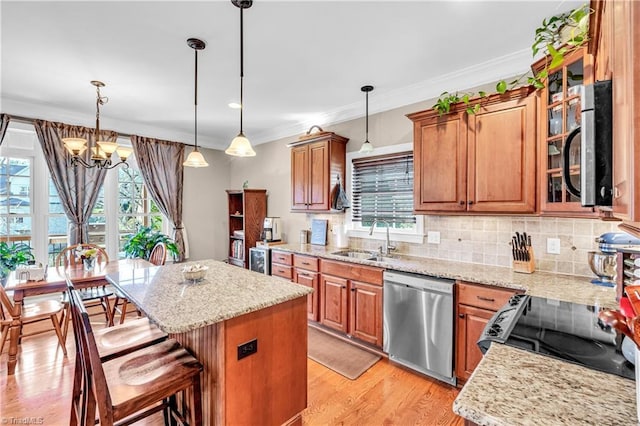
89,264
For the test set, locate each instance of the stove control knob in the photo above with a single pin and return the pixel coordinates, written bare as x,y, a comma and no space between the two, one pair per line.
496,328
492,332
514,300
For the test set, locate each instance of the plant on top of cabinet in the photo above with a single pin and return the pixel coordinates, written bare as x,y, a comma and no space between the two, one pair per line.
557,37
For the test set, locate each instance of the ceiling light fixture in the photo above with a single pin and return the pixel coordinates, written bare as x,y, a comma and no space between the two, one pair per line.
195,158
240,145
103,151
366,147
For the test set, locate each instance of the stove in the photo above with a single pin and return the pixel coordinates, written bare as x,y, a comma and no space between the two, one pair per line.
564,330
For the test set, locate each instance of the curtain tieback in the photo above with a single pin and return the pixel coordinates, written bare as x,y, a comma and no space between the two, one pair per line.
178,228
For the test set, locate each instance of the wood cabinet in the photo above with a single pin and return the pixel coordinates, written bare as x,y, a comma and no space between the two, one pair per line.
560,113
481,163
615,42
316,163
281,264
351,300
306,272
475,305
247,209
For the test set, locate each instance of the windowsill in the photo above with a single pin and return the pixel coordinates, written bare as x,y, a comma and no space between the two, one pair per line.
382,236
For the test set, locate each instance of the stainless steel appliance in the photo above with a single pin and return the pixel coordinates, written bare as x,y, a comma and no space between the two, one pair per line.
564,330
271,229
260,260
418,323
595,147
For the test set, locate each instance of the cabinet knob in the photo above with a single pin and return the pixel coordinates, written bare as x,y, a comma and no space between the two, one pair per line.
470,202
461,315
616,192
344,286
353,289
461,202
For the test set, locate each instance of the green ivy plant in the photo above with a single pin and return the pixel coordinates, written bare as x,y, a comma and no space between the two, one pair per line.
142,242
557,37
13,255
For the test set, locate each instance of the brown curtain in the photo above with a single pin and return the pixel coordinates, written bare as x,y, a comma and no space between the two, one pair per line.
160,164
4,123
77,186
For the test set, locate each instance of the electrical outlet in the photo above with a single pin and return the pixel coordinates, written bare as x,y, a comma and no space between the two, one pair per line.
433,237
246,349
553,245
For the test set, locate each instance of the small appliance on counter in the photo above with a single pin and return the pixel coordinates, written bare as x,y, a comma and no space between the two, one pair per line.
568,331
260,259
603,262
272,229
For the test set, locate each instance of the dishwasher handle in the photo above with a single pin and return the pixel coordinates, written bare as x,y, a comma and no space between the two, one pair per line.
419,283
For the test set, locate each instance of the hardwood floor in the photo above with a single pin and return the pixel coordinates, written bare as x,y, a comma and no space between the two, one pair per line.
384,395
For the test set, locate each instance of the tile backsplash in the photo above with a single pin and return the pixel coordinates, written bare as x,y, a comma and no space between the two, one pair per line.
486,240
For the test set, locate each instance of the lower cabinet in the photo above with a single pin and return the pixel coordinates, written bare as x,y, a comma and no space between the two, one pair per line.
475,306
351,300
305,272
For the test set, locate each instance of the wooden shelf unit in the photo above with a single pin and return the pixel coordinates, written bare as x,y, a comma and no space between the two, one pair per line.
247,209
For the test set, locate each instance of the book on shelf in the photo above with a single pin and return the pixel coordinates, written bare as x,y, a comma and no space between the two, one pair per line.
238,233
237,249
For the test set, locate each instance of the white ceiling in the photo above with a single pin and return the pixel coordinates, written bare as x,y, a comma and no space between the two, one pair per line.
305,61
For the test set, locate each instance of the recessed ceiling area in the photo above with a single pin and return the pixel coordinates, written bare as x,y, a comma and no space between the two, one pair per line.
305,61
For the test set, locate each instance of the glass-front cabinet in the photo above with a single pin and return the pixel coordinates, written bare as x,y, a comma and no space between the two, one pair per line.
561,112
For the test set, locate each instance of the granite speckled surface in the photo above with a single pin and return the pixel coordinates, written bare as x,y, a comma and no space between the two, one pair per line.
566,288
225,292
514,387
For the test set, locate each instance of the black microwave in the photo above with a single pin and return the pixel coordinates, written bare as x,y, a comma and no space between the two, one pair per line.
595,150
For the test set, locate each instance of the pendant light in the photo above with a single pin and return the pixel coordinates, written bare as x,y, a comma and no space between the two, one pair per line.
366,147
240,145
195,158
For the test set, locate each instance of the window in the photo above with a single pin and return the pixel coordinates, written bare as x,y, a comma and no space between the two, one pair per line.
15,199
382,189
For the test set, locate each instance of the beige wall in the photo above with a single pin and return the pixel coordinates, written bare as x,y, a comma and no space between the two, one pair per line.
204,206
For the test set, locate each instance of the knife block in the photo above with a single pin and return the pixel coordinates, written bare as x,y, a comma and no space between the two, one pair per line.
525,267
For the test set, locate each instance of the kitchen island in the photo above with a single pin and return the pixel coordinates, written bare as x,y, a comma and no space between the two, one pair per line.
249,331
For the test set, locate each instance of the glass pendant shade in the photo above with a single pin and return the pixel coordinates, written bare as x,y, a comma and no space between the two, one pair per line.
240,147
366,147
108,147
124,152
75,146
195,159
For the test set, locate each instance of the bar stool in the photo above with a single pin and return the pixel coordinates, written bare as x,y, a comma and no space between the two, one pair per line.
132,386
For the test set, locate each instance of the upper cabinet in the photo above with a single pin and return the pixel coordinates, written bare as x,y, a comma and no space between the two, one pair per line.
481,163
615,43
560,113
316,163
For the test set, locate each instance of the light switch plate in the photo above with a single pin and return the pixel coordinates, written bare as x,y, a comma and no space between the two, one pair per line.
433,237
553,245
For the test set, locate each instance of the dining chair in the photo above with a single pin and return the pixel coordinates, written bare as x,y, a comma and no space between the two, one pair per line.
157,256
31,313
132,386
91,296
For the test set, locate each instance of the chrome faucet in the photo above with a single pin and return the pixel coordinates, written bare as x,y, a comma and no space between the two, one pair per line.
387,246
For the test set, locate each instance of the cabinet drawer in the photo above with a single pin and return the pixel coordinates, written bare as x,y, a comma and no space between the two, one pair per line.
305,262
282,271
281,257
352,271
480,296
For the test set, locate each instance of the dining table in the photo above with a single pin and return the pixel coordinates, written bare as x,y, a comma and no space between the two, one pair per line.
55,282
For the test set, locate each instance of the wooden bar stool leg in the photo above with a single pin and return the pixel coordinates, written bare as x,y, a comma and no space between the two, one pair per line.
107,312
196,403
56,327
123,310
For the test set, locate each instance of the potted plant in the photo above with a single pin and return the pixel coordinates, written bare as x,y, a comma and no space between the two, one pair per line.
141,243
11,256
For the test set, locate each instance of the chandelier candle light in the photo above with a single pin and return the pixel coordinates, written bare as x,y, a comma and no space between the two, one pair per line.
240,145
102,153
366,147
195,158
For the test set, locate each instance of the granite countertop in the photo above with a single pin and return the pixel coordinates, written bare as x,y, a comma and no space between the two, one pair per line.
566,288
226,292
511,386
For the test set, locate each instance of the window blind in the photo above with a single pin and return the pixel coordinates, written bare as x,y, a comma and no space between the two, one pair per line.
382,188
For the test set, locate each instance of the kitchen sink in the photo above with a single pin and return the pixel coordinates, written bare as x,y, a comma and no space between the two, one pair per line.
378,258
355,254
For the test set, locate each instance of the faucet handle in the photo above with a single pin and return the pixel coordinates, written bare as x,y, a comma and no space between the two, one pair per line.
391,248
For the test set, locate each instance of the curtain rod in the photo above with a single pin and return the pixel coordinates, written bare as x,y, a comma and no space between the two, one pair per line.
30,120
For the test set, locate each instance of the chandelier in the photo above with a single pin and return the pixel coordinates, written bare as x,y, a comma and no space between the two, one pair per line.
103,152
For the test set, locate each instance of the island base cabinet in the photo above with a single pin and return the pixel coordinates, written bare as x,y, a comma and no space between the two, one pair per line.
268,387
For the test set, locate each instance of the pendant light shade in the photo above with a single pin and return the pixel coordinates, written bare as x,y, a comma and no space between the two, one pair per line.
240,145
195,158
366,147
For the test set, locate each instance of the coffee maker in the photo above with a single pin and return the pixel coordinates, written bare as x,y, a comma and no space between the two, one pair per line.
271,230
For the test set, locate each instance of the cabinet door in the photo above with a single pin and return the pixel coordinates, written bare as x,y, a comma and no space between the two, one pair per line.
440,163
365,312
310,279
502,158
318,176
333,302
470,324
299,177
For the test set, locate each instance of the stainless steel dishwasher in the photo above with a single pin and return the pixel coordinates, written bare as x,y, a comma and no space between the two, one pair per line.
418,323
